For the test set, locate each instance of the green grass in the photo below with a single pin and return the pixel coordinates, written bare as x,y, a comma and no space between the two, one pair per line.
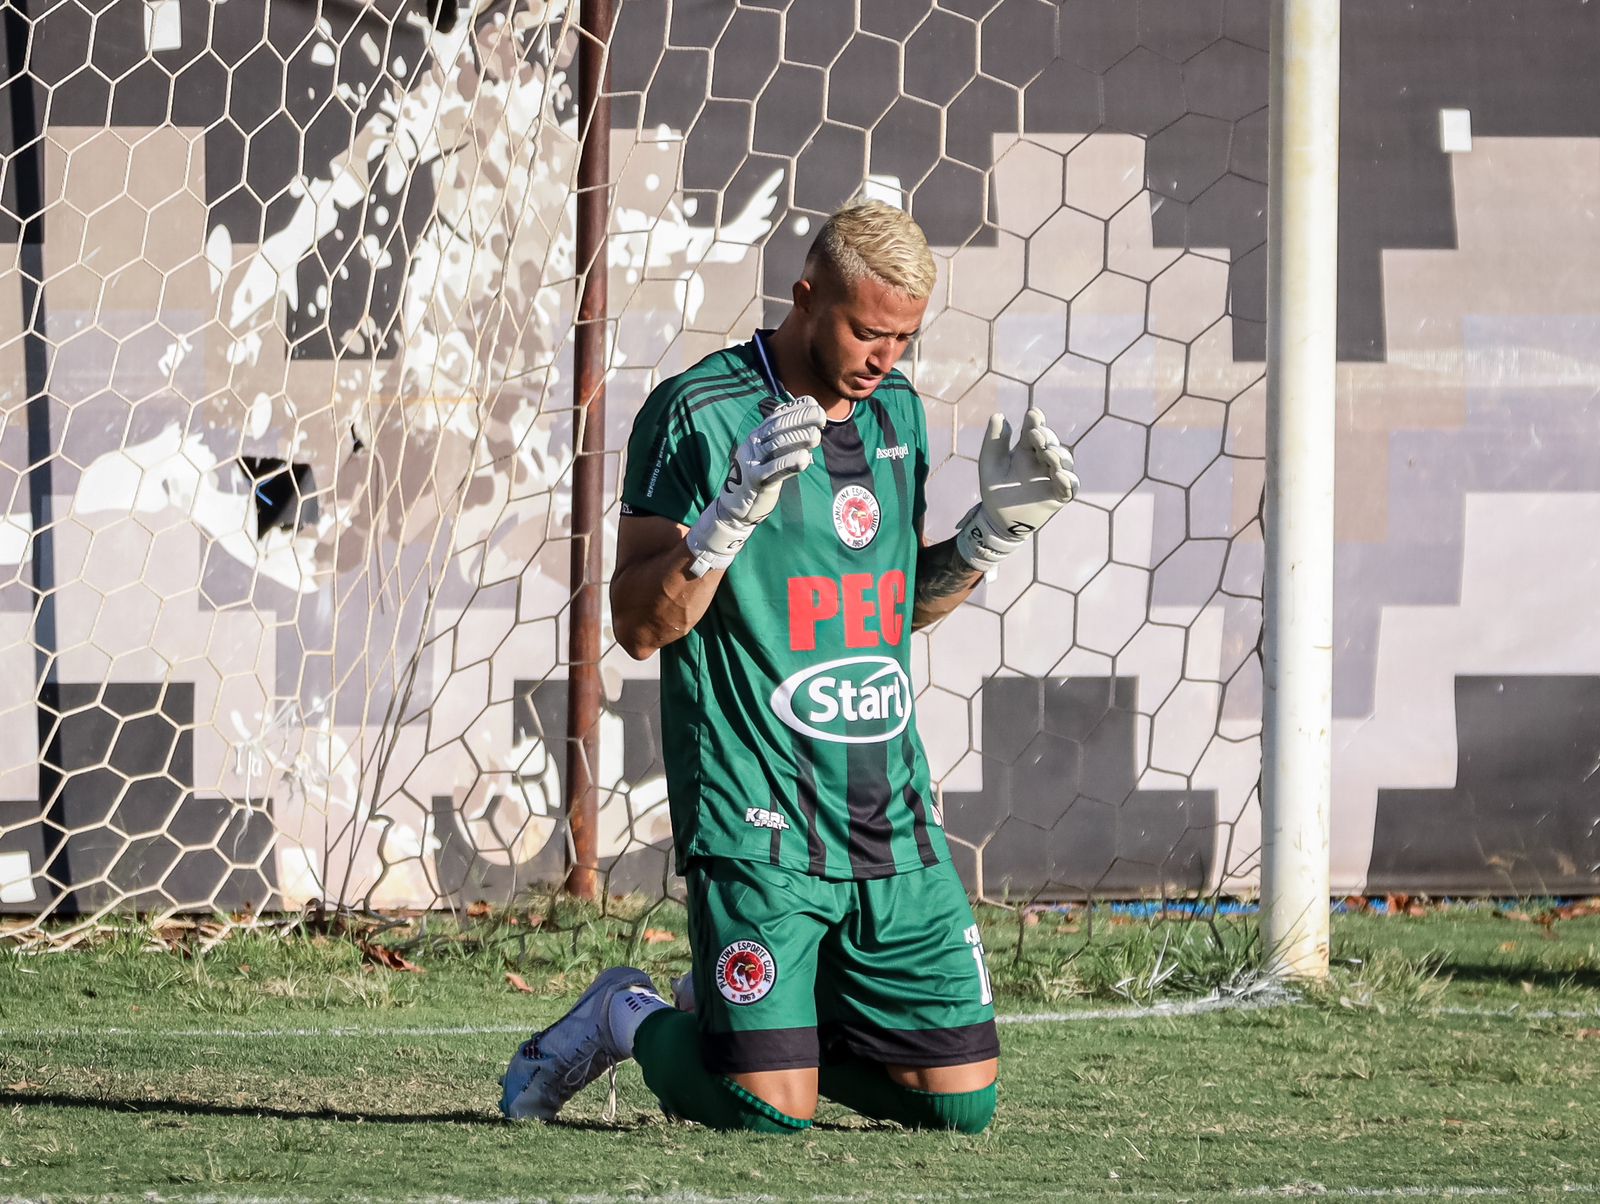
1438,1057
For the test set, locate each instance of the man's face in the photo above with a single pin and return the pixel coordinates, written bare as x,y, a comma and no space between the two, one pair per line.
856,333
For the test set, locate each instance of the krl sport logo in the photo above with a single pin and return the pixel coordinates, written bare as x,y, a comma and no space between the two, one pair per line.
854,700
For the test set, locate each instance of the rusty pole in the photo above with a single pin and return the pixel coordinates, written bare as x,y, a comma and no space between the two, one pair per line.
584,695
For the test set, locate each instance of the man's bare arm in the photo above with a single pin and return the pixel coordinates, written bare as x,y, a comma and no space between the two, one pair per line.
944,582
654,600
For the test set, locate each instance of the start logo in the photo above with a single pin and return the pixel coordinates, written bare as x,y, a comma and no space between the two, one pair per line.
854,700
856,515
745,972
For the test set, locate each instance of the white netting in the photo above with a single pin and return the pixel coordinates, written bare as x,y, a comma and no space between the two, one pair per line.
308,282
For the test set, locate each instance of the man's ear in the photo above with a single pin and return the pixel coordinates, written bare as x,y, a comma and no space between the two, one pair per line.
804,294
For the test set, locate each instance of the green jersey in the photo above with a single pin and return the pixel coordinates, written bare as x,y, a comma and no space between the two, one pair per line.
786,713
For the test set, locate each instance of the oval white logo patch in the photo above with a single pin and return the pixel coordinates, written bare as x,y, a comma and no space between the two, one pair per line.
745,972
855,700
856,515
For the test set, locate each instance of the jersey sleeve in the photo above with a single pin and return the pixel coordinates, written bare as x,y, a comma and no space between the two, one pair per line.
919,455
668,468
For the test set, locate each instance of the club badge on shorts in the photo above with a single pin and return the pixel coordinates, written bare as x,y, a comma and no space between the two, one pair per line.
856,515
745,972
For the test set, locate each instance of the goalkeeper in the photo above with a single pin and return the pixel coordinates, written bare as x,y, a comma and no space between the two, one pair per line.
771,550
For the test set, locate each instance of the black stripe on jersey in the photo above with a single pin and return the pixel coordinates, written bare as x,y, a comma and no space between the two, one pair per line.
890,439
805,786
775,856
871,840
700,929
704,392
845,455
919,810
735,390
742,372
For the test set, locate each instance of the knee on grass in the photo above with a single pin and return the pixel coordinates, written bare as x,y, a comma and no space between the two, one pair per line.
753,1114
667,1049
960,1112
866,1088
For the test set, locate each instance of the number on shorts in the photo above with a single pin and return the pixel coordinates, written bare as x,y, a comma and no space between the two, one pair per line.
975,939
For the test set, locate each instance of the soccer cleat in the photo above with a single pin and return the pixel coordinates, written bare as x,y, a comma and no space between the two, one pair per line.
552,1066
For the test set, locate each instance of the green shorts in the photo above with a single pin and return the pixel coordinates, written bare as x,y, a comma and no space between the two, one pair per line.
791,971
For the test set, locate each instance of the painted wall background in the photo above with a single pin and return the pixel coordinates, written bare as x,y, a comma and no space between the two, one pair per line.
308,285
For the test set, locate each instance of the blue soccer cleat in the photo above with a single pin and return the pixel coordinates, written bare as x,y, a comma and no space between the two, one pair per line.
552,1066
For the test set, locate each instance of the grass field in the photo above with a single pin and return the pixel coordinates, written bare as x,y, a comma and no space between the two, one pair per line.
1453,1054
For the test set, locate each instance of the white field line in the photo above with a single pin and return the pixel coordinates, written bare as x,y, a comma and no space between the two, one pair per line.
1518,1013
246,1034
1189,1007
1286,1190
1415,1191
1193,1007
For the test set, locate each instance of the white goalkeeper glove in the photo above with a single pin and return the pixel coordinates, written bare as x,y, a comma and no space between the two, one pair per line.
775,451
1020,486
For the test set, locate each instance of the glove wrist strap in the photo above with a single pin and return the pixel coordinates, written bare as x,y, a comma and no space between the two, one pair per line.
981,543
715,539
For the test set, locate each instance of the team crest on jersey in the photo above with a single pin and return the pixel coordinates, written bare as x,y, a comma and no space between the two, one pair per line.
745,972
856,515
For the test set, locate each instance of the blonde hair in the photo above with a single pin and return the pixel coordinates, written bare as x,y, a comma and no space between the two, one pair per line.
871,239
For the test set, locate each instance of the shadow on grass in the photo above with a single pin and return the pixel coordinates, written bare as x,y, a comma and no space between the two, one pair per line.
108,1103
1540,977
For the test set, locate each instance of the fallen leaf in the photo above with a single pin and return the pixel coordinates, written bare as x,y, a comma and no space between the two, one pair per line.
1508,946
478,910
1357,903
1587,1034
1454,1123
518,983
387,958
658,936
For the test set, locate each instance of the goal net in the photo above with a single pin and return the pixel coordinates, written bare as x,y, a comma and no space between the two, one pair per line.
287,350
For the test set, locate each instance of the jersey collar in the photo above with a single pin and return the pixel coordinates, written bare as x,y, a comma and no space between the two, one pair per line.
769,374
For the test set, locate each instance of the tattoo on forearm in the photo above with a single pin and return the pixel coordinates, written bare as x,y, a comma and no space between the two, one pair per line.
942,574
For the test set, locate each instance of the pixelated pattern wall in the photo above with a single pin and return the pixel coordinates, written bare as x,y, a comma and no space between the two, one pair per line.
285,353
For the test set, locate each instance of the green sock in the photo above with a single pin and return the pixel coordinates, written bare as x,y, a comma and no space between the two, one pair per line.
667,1048
865,1087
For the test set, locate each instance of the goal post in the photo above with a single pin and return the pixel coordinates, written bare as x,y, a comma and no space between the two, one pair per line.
1302,314
584,693
321,636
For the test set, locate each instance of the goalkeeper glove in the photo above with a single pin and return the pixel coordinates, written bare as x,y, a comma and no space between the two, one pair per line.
1020,486
775,451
